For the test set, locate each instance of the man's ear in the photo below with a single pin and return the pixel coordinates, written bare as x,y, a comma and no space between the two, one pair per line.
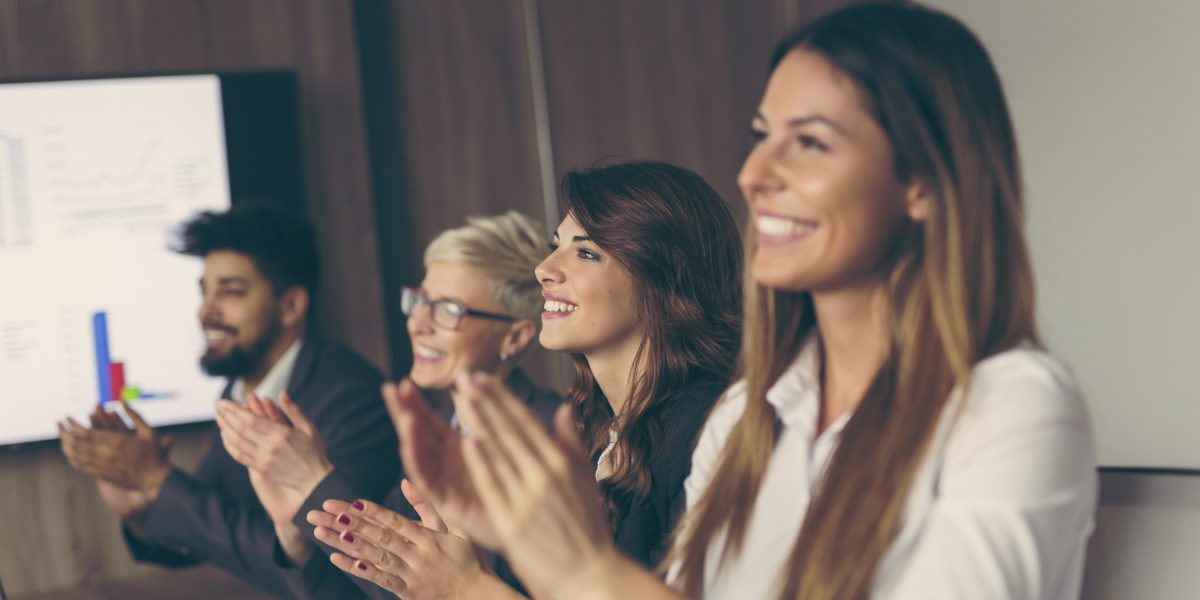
293,306
917,201
518,337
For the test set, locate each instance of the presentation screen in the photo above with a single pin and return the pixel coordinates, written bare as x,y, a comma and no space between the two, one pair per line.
95,177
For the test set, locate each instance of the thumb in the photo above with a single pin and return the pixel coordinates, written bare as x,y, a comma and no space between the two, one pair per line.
399,399
296,416
430,517
140,426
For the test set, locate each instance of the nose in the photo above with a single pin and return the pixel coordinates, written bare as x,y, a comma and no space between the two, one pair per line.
420,321
548,271
758,177
207,310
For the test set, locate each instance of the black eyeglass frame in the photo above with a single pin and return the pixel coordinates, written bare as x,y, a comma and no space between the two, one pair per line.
420,298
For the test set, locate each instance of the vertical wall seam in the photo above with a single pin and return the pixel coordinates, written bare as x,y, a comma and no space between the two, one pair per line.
541,113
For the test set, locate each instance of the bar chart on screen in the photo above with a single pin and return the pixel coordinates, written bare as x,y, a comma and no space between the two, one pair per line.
97,309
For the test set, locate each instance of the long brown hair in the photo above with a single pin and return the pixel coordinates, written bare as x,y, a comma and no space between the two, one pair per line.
679,243
960,289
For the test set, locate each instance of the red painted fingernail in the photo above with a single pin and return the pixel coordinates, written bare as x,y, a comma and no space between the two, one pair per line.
349,537
362,566
344,520
358,505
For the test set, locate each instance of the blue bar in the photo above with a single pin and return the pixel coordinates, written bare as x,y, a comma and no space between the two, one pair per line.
103,361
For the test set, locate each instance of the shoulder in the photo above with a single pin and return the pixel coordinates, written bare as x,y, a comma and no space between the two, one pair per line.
1023,384
330,376
689,409
330,359
1023,415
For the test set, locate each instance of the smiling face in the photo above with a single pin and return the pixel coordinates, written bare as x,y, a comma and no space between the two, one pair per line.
440,353
240,315
820,182
589,296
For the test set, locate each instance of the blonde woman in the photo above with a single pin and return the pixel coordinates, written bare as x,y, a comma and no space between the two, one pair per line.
899,432
477,309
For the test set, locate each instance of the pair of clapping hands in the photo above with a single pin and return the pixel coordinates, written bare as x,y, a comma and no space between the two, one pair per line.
507,484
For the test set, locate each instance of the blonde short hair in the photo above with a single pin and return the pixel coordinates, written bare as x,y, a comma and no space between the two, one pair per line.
505,249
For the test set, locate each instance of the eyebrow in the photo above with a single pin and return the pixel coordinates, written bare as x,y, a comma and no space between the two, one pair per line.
808,120
577,238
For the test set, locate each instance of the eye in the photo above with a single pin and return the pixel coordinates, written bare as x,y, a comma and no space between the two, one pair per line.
453,309
809,142
757,135
552,246
236,293
587,254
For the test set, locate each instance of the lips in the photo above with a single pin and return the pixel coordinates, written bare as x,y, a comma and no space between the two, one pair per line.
557,307
216,332
778,229
425,354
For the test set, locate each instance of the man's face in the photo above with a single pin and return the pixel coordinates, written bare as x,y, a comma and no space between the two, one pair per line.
239,314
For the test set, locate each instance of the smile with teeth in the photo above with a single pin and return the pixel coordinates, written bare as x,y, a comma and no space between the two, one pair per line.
555,306
216,335
428,353
780,227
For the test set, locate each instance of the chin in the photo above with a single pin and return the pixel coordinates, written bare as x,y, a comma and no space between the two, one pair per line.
430,379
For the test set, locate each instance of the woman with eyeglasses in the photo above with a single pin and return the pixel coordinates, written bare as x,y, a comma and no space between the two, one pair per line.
475,310
641,287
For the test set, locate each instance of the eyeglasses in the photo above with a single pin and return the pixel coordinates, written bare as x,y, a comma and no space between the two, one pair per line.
445,313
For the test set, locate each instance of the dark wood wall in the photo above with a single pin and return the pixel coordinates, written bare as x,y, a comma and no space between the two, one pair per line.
479,107
415,113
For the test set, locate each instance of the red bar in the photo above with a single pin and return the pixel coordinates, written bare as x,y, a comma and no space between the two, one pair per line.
116,374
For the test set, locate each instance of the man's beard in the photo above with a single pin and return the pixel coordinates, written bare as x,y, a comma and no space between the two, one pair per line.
240,362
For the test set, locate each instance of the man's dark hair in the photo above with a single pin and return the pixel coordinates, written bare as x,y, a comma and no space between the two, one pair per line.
282,244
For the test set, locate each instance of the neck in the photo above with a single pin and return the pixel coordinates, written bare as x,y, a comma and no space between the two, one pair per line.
855,340
285,340
615,371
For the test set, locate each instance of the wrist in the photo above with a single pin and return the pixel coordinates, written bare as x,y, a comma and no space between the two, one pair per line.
153,479
295,546
314,477
597,578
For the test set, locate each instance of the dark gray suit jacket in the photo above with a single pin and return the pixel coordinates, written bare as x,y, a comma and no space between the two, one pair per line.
214,516
319,579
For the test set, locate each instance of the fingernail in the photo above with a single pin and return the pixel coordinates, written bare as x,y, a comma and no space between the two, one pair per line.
349,537
344,520
358,505
479,377
362,566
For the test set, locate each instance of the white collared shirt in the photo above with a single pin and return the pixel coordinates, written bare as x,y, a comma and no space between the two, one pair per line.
1001,507
276,380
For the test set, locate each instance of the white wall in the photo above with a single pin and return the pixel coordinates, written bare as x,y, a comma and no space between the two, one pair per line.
1105,95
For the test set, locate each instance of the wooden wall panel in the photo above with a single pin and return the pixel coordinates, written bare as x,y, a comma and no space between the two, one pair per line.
56,533
668,81
449,98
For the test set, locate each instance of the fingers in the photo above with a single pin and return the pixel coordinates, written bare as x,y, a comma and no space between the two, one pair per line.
255,405
384,527
365,570
240,447
357,546
513,439
421,432
143,429
430,517
296,416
